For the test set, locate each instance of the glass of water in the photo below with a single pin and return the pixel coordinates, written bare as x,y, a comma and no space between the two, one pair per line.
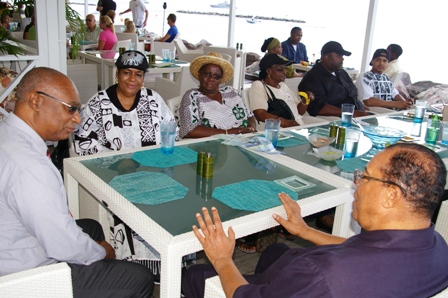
347,110
420,109
271,130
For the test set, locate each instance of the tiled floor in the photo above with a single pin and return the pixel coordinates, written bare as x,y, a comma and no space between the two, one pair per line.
246,262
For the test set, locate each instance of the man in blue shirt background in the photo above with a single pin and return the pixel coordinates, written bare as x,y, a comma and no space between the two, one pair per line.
293,49
172,32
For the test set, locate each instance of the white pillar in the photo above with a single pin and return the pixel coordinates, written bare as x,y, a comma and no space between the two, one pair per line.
232,11
50,19
370,28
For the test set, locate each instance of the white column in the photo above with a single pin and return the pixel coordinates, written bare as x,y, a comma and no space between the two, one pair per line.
50,19
370,28
232,11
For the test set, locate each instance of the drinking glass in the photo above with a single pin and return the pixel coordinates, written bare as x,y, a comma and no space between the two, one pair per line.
271,129
347,110
131,46
420,109
432,131
167,136
165,55
445,132
172,56
352,136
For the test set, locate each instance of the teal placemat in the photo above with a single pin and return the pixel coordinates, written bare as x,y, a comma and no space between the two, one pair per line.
155,157
148,188
251,195
351,164
297,140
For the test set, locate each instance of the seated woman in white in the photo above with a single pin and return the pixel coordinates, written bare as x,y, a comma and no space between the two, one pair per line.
272,98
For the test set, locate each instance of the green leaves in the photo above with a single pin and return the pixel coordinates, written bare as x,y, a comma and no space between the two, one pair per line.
8,45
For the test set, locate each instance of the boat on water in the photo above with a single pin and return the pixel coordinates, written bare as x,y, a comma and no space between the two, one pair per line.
253,20
224,4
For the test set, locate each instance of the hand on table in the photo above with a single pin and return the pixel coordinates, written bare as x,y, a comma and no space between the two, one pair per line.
295,223
288,123
217,246
401,105
359,113
238,130
410,100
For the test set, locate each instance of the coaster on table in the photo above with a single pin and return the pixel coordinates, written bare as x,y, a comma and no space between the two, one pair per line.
148,188
155,158
252,195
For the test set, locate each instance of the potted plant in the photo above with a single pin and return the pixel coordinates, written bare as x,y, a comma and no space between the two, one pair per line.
8,45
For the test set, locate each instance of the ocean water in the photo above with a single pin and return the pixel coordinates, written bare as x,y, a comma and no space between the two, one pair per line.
413,25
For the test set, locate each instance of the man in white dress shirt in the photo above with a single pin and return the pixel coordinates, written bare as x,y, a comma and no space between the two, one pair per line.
36,227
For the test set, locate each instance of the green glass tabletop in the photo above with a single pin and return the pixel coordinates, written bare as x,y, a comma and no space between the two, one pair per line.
231,165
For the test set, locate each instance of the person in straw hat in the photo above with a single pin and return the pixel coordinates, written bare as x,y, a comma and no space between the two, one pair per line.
211,109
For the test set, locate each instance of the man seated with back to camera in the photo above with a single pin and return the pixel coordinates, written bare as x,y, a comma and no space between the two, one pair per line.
36,227
397,254
330,84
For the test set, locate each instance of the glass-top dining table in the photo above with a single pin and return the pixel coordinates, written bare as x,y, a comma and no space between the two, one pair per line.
158,195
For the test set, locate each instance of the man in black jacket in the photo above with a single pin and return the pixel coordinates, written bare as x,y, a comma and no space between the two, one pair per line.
331,85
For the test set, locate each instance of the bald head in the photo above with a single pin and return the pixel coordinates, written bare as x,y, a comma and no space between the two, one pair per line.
43,99
39,78
90,21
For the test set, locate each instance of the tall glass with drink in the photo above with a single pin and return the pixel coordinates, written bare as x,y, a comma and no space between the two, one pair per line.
420,109
347,111
352,136
432,130
271,130
167,136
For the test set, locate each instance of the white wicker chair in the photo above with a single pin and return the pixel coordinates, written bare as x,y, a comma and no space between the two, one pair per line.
157,47
138,45
185,54
173,103
183,81
85,78
121,44
52,281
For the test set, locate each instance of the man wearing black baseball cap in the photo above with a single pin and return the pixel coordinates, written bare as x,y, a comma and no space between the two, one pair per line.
376,89
331,85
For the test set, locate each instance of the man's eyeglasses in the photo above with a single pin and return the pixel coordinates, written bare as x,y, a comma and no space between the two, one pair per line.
71,109
359,174
89,20
210,75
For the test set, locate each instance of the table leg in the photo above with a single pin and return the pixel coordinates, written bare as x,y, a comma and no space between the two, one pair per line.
170,277
344,225
72,188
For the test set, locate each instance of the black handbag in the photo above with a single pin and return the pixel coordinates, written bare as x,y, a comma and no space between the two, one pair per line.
278,107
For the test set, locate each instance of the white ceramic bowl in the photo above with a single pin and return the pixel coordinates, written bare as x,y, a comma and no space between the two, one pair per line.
328,153
318,140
